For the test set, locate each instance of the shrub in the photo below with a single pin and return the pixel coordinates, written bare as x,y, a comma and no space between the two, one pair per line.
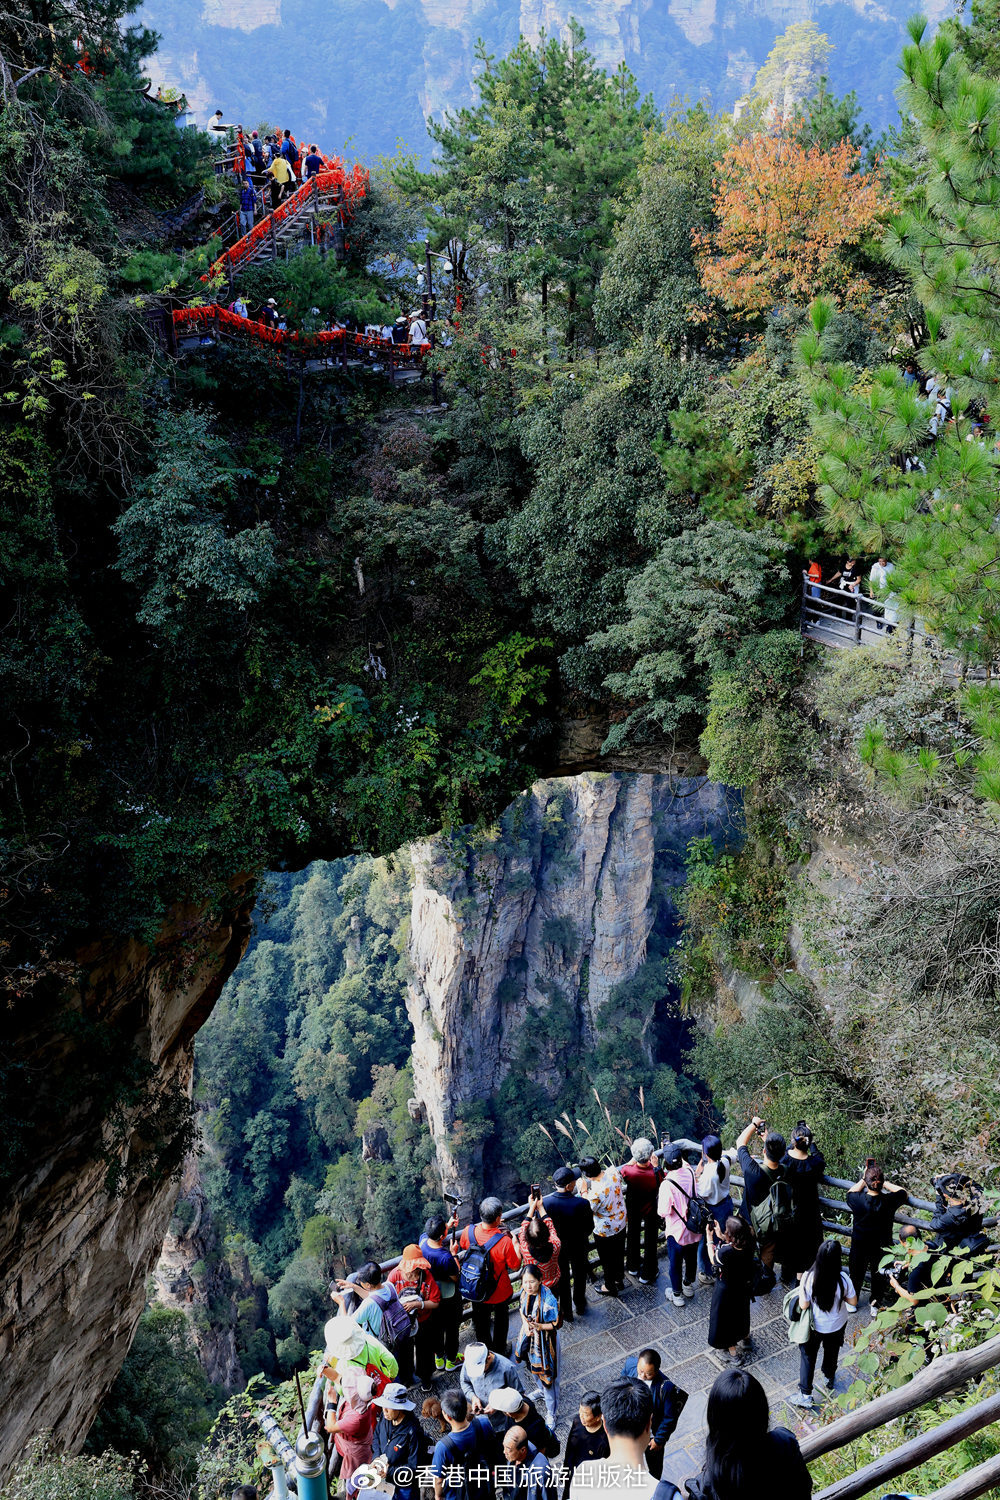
41,1474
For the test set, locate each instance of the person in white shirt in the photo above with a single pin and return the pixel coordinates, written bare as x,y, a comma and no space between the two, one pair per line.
829,1292
418,329
714,1178
627,1414
878,580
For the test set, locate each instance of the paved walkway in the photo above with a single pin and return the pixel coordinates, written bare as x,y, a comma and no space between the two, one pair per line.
594,1348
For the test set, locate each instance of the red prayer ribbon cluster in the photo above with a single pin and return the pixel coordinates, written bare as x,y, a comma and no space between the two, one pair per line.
211,312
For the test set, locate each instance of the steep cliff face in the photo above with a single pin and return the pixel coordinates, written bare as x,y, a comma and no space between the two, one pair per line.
372,71
533,929
190,1276
75,1250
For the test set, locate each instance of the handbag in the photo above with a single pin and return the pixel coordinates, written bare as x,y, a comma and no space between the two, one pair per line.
800,1323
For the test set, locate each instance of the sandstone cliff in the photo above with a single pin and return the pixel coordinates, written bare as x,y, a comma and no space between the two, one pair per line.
549,915
75,1251
191,1276
372,71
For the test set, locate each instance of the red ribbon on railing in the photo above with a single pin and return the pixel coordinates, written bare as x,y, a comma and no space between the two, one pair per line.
352,186
226,318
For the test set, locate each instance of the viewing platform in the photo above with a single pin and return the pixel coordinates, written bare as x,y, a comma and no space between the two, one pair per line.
595,1346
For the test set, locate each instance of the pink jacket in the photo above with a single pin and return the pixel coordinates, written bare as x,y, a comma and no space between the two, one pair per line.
673,1206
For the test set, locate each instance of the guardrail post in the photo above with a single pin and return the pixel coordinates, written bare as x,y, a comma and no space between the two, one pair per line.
857,617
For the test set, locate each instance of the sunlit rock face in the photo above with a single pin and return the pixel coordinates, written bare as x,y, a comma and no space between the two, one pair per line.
546,917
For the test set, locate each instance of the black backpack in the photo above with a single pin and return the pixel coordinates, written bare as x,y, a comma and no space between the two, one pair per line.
478,1280
697,1216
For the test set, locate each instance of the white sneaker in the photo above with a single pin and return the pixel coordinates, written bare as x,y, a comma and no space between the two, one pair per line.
688,1288
806,1402
673,1297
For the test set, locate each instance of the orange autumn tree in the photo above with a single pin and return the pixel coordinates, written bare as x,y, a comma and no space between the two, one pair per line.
785,214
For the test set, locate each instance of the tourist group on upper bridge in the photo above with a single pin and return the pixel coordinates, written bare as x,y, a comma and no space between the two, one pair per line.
734,1222
297,180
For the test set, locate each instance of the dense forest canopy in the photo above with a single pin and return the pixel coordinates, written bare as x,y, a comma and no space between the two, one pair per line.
252,617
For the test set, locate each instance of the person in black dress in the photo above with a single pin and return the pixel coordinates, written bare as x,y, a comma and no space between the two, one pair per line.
587,1438
732,1254
743,1459
804,1165
873,1203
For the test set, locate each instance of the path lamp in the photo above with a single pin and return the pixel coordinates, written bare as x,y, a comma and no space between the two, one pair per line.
310,1467
425,279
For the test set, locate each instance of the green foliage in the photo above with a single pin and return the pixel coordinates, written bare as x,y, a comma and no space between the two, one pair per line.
793,68
650,289
739,900
176,546
516,686
956,1312
41,1474
822,119
936,517
690,609
161,1406
801,1076
526,180
701,466
754,733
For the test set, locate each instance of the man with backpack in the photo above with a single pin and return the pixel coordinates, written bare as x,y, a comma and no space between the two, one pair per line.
767,1194
487,1255
380,1311
465,1459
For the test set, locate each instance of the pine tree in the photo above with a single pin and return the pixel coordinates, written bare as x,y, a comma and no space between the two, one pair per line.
896,474
529,179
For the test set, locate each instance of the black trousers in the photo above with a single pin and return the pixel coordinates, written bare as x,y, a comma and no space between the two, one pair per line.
491,1321
830,1343
654,1462
573,1279
423,1350
611,1251
403,1351
445,1323
864,1259
640,1256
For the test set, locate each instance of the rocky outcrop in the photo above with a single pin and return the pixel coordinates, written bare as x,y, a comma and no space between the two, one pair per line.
534,928
191,1275
77,1243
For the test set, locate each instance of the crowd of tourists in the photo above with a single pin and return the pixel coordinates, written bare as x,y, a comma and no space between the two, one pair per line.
496,1428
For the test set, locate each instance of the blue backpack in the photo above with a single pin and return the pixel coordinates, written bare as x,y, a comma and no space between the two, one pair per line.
478,1279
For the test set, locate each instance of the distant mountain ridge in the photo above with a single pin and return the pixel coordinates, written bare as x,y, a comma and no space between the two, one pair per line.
368,73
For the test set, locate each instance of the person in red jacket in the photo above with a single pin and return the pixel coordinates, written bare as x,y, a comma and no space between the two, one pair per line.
642,1183
491,1317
